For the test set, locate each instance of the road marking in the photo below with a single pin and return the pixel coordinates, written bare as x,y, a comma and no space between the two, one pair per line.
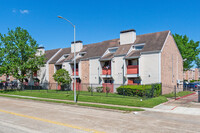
53,122
173,108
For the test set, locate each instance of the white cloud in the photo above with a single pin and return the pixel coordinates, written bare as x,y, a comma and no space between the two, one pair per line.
24,11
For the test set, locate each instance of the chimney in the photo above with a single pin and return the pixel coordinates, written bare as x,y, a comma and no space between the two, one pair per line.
127,36
40,51
78,44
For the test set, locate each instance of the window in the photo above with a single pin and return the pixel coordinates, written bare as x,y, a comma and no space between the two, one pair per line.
112,50
66,55
138,47
132,62
108,81
82,54
107,64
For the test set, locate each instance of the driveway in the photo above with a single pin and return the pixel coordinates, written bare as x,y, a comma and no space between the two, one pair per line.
184,105
27,116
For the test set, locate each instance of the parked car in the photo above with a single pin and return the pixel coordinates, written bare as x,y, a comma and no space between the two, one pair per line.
194,86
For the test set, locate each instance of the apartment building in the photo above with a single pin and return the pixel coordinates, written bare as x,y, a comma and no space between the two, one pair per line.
131,59
192,74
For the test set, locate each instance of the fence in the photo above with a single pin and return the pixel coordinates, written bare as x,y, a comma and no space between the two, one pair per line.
105,89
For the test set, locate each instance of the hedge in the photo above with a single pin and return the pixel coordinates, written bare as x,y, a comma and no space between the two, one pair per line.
152,90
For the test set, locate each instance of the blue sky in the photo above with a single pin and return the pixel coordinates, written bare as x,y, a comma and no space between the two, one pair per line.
98,20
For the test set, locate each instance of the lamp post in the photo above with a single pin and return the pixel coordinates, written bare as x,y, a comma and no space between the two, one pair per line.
74,56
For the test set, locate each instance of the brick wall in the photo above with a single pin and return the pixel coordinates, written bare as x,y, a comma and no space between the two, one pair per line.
85,74
196,74
171,66
52,82
3,77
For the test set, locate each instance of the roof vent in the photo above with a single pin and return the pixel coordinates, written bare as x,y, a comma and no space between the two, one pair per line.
127,37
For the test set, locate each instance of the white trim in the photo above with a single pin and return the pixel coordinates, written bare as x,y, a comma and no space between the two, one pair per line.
150,52
139,44
165,41
130,50
132,75
106,76
107,51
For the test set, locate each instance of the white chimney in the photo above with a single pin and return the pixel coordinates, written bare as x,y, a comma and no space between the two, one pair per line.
79,46
40,51
127,36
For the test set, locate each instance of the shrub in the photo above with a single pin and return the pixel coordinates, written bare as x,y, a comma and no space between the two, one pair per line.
152,90
99,89
89,89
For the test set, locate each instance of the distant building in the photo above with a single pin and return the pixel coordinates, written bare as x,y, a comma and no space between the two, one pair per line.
192,74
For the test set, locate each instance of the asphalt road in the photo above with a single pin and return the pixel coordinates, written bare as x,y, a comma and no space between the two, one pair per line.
27,116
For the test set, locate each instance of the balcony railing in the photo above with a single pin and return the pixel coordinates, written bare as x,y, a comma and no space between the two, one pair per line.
76,72
132,69
106,71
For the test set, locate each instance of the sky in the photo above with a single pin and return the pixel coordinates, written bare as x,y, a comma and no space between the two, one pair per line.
98,20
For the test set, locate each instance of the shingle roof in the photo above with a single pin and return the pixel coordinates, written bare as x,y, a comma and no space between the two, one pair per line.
60,62
50,53
108,56
70,57
153,42
60,54
98,49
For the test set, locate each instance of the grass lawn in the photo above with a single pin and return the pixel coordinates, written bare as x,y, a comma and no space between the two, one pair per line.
114,99
81,104
179,94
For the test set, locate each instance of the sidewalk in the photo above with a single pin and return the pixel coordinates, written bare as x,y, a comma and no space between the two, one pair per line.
172,106
184,105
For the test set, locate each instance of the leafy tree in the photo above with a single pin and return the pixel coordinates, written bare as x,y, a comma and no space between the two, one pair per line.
62,76
188,48
18,54
197,62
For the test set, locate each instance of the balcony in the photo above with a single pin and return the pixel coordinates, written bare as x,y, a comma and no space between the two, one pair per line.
106,71
76,72
132,69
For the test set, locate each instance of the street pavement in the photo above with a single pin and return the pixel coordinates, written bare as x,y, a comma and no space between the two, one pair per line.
28,116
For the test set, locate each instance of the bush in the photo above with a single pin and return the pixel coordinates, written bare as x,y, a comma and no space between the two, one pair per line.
99,89
153,90
89,89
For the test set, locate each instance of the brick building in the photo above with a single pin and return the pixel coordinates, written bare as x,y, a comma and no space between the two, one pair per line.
192,74
142,59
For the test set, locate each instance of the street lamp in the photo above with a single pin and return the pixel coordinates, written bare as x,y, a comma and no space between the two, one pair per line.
74,57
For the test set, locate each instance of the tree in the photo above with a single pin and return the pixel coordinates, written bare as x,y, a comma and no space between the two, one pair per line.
18,54
62,76
197,62
188,49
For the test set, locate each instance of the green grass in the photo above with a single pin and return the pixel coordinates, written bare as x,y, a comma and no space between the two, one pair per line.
179,94
114,99
80,104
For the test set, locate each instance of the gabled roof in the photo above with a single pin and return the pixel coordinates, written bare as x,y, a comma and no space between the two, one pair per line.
50,53
60,54
152,41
